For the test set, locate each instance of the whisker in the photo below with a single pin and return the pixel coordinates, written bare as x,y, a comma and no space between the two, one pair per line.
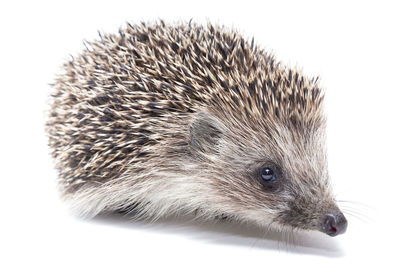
358,212
356,217
279,239
293,243
286,240
354,202
360,217
356,209
359,206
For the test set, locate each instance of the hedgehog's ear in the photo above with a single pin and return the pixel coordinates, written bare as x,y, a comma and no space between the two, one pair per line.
205,132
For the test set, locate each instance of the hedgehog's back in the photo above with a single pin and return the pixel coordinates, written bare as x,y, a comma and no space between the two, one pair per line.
121,98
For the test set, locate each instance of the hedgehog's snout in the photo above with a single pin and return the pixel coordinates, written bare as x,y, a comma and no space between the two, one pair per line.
334,224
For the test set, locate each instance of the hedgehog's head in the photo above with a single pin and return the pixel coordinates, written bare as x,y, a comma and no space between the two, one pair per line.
269,167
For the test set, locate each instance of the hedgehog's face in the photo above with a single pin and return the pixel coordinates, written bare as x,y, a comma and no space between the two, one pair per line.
273,175
300,178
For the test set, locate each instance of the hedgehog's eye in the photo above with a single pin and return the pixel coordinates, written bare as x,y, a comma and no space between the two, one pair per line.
268,177
267,174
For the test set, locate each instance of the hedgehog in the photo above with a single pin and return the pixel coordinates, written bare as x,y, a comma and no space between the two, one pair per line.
174,119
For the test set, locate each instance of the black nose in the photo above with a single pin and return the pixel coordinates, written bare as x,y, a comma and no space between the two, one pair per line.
334,224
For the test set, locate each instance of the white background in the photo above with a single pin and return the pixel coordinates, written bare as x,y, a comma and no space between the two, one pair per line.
353,46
